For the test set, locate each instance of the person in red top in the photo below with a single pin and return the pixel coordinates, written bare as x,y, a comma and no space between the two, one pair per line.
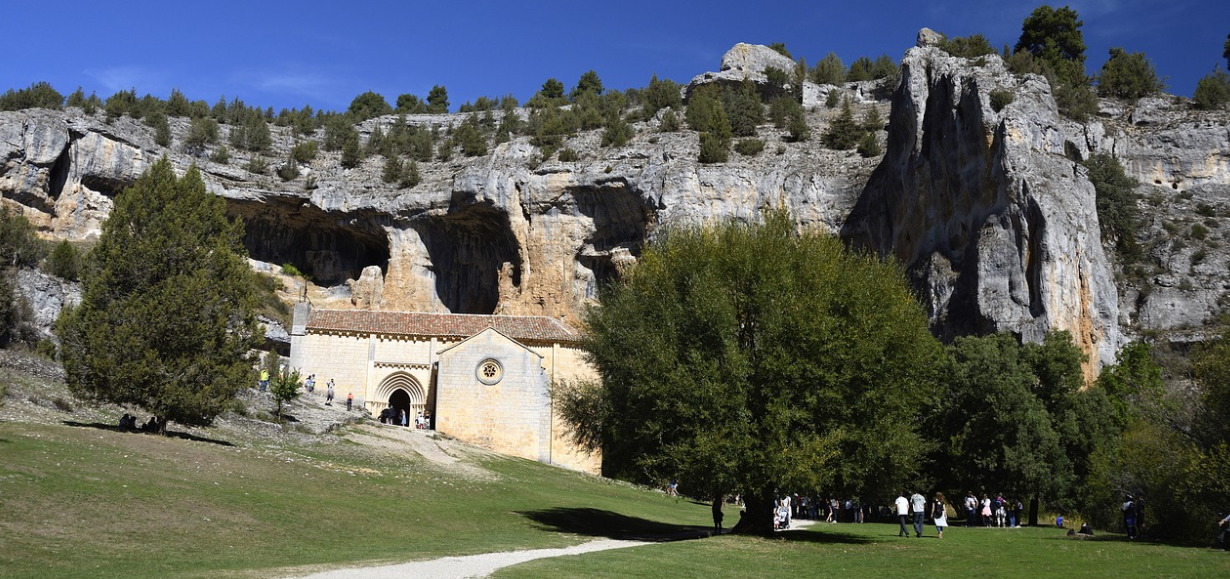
349,400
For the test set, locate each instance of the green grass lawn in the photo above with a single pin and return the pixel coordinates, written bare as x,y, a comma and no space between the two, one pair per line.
91,502
874,551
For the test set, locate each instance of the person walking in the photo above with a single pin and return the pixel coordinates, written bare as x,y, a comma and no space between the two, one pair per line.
918,507
939,513
329,395
903,514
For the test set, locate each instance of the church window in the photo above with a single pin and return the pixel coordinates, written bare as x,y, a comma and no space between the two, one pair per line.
490,371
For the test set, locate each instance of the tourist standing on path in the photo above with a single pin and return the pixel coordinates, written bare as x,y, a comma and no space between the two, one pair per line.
903,514
939,513
329,395
349,400
717,515
264,379
1223,529
918,505
1129,516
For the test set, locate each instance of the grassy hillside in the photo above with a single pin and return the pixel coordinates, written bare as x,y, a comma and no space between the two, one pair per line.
80,499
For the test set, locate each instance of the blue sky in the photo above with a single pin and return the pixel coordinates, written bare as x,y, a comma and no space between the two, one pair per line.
287,54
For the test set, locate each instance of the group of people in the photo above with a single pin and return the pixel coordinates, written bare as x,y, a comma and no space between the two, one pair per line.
914,510
390,415
129,422
992,512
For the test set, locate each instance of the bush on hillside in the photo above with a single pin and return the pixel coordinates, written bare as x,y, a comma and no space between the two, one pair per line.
1128,76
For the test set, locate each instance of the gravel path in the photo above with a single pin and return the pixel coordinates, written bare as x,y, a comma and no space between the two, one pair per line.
472,566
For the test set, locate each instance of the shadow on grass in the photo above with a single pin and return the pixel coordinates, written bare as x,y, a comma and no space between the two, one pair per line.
815,534
170,433
599,523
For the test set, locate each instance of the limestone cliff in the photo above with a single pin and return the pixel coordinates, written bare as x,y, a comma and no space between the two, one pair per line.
987,209
996,227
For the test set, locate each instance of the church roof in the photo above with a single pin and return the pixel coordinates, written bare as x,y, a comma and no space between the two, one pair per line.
520,328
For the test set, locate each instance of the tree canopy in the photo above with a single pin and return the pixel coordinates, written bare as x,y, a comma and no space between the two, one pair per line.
1054,36
753,358
1128,75
166,315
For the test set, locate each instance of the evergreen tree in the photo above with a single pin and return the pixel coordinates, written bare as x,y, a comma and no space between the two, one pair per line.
392,169
165,319
1213,90
661,94
743,109
1128,76
589,84
77,99
352,153
552,89
1054,36
410,105
410,175
844,132
368,105
861,69
284,386
162,129
63,262
437,100
830,70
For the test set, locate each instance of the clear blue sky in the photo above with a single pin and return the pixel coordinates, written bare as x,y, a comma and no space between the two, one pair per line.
287,54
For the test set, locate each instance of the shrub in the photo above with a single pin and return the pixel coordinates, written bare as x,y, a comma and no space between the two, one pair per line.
289,170
63,262
162,129
660,94
291,270
410,104
392,170
45,348
743,109
1128,76
220,156
670,121
568,155
1199,232
203,131
796,126
1077,102
1206,210
1001,99
972,46
37,95
749,147
869,146
257,165
780,48
352,153
829,70
1116,204
472,142
780,110
617,134
410,175
304,151
714,148
1213,90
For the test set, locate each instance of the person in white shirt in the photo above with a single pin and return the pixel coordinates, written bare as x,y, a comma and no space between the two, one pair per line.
918,506
903,514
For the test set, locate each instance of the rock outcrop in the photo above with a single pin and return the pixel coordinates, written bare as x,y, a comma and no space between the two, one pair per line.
988,210
997,228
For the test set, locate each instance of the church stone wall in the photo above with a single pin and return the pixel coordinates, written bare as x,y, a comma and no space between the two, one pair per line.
511,416
342,358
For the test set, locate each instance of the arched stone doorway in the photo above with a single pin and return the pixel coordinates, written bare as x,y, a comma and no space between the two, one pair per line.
401,391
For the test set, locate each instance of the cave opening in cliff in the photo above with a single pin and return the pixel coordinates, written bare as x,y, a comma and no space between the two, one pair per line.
468,251
620,220
326,248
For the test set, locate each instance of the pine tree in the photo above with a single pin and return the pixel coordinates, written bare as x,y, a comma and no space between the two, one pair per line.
165,319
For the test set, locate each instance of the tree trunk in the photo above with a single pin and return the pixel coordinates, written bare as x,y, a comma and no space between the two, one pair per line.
1033,511
757,517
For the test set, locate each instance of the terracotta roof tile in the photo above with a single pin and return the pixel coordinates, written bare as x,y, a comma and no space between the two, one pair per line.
520,328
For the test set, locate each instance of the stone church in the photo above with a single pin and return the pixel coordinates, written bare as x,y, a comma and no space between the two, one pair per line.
485,379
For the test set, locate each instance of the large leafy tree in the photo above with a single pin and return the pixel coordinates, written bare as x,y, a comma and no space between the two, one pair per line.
166,316
1128,75
754,359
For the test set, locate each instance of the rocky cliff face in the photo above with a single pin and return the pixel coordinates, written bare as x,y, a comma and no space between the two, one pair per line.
502,233
995,225
987,209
